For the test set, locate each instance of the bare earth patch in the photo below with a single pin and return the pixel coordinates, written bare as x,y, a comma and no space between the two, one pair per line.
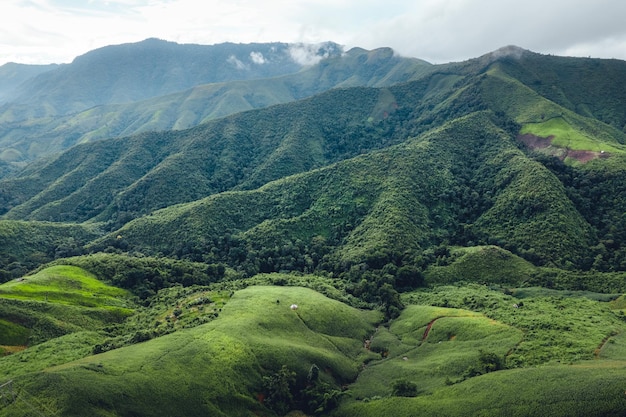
8,350
537,142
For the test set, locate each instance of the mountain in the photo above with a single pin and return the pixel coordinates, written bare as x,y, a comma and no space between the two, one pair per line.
480,156
12,75
188,85
374,234
547,205
136,71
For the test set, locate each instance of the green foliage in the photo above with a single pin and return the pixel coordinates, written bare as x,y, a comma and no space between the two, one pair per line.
459,179
458,354
584,390
27,245
403,388
220,92
483,264
65,285
145,276
170,310
365,195
487,362
277,388
557,326
56,351
565,136
228,355
12,333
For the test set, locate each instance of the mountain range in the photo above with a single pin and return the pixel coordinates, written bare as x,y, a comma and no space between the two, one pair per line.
399,192
126,89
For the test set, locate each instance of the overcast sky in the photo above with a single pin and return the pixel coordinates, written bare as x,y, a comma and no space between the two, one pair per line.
56,31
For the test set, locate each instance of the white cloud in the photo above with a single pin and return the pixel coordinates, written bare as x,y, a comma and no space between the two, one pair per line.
304,54
257,58
234,61
44,31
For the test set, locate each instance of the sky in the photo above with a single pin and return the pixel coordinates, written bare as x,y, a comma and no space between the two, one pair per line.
438,31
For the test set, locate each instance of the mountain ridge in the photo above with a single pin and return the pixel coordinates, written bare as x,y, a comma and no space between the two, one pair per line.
197,103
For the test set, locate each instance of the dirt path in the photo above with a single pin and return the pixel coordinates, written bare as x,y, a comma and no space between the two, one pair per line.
428,327
596,353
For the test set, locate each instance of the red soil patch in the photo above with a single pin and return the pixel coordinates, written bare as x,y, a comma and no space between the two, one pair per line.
537,142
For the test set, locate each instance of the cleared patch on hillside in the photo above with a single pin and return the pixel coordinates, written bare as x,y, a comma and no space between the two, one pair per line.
557,137
540,143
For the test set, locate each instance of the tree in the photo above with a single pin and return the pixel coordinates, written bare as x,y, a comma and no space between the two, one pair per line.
403,388
277,387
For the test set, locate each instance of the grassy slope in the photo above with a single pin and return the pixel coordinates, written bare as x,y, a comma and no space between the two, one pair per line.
483,264
540,116
215,368
58,309
551,337
64,285
588,389
579,340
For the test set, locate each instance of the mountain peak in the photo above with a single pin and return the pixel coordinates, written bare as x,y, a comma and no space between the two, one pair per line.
509,51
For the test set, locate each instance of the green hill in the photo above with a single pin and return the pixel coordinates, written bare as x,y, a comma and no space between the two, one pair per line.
256,334
55,315
366,208
463,359
12,75
150,68
541,352
453,237
26,245
120,178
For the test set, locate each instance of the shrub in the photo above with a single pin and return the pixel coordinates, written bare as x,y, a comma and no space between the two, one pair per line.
403,388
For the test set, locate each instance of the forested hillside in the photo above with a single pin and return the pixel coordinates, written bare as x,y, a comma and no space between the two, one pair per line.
369,233
156,85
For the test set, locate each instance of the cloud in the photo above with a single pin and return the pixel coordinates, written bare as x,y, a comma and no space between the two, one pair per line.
309,54
257,58
233,60
451,30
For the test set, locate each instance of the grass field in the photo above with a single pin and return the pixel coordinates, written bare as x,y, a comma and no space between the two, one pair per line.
215,368
469,350
587,389
563,353
55,316
65,285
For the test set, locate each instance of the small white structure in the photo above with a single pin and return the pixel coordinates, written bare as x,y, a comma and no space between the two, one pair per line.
294,306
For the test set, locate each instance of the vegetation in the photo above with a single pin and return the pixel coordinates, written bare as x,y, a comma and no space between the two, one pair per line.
452,244
90,99
27,245
230,356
